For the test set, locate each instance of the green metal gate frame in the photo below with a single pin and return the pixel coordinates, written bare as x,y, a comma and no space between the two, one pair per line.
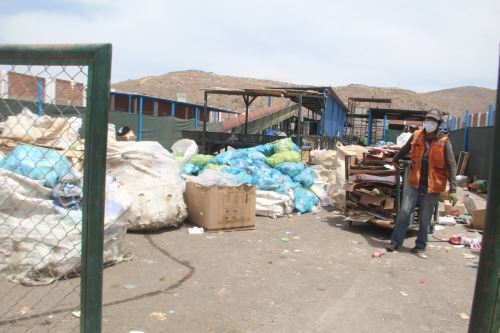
97,57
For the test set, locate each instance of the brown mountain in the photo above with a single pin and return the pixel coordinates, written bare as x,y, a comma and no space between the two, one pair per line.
191,82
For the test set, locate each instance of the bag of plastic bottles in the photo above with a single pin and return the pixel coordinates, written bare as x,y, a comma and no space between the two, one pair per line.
304,200
290,169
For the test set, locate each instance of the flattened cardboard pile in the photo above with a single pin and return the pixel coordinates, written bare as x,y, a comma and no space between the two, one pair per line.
371,189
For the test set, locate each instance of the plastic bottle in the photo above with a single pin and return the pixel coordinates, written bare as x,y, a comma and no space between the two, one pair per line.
377,254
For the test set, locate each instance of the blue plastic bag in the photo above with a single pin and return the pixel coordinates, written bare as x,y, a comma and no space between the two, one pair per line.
223,158
37,163
254,155
290,169
306,177
190,169
241,175
265,183
267,149
304,200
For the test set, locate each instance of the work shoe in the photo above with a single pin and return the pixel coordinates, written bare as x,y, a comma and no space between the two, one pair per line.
417,250
392,247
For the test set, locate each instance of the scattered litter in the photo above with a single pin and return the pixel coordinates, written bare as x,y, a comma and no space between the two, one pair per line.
285,251
473,241
464,316
339,225
455,240
438,227
422,280
284,239
430,245
422,255
158,315
403,293
319,218
296,237
129,286
171,311
296,251
458,246
378,254
24,310
469,256
474,264
212,237
446,220
356,242
195,230
76,314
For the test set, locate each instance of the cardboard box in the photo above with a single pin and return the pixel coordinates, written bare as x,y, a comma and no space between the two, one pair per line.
478,219
447,207
220,207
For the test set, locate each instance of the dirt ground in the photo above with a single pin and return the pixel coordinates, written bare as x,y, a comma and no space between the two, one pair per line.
306,273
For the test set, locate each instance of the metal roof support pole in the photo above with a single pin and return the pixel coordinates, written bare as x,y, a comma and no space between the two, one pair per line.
299,123
172,113
486,303
343,126
140,119
322,128
453,123
370,123
490,115
245,98
205,117
466,131
248,101
448,123
196,111
129,103
385,126
40,97
336,114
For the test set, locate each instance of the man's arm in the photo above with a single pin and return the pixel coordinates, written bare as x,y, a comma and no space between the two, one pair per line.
451,165
404,150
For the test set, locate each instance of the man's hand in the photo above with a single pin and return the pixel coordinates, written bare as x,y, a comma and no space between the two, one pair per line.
453,197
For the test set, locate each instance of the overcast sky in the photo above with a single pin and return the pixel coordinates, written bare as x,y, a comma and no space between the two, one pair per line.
420,45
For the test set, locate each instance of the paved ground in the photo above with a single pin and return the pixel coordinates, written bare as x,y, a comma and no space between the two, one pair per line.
308,273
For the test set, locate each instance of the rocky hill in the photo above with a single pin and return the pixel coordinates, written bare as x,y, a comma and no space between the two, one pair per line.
191,82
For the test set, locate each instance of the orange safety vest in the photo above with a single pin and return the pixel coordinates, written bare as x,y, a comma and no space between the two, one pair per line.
437,169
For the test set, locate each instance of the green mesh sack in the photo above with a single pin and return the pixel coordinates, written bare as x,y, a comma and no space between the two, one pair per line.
286,156
283,145
200,160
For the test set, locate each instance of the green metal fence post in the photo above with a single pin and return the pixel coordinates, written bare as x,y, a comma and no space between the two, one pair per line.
485,316
96,120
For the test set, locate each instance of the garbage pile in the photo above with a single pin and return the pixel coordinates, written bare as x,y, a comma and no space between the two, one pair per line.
41,200
150,175
282,180
373,188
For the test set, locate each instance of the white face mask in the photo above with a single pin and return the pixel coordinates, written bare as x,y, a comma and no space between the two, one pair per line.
430,126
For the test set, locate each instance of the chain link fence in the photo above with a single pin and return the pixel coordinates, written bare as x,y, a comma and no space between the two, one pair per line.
44,118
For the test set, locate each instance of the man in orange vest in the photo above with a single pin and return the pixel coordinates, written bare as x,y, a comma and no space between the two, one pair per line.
432,165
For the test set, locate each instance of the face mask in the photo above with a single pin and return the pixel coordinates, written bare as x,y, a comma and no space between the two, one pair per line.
430,126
